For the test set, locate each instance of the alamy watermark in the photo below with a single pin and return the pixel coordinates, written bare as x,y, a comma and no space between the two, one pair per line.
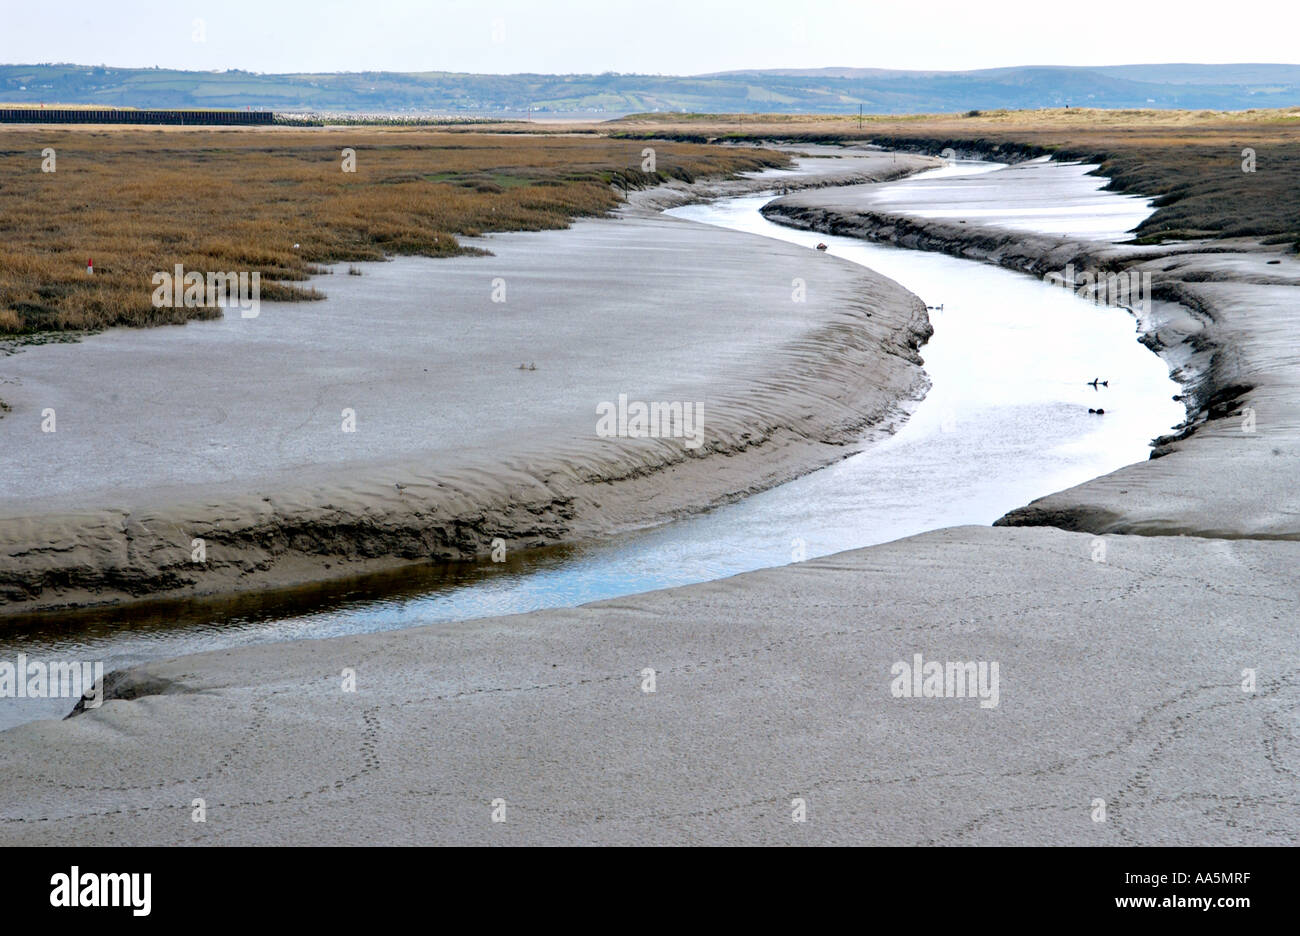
1129,290
80,888
931,679
223,290
638,420
38,679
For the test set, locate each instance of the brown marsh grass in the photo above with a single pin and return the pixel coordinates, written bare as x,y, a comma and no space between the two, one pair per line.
1189,161
140,201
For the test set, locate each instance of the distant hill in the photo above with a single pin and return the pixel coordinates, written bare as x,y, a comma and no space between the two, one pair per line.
821,91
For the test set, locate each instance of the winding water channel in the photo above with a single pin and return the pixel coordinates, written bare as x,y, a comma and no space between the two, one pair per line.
1006,420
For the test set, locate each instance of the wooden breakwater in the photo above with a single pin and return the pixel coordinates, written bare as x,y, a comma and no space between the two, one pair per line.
88,115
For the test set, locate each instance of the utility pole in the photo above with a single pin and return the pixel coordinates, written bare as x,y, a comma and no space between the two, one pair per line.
859,116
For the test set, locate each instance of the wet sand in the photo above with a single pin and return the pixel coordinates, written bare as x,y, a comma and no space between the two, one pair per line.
1119,680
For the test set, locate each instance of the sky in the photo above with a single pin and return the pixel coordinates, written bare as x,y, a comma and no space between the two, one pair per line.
646,36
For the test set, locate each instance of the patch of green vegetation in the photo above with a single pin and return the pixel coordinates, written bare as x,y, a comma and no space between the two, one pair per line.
11,343
481,181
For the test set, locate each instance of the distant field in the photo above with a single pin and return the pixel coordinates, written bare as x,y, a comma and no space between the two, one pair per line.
140,201
1191,161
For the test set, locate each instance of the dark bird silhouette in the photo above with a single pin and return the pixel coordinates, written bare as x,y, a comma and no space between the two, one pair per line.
1097,380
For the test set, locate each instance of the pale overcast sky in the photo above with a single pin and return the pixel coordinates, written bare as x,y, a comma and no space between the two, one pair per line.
652,36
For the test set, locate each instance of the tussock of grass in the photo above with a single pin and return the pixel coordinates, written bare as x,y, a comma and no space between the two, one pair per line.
141,201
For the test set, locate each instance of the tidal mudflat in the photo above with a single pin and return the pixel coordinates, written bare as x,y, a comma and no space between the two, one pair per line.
1004,420
1038,196
392,422
1120,681
1098,638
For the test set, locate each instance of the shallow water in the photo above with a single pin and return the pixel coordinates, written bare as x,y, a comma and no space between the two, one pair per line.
1005,421
1039,196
